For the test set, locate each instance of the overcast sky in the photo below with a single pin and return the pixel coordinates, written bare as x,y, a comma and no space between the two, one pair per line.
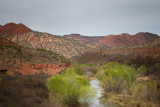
86,17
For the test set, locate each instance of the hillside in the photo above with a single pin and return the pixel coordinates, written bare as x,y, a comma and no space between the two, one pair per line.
63,46
155,43
126,40
148,55
28,60
122,40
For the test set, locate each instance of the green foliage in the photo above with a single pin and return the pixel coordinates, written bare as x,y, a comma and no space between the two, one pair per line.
142,70
121,79
116,77
71,87
91,65
84,65
78,64
74,70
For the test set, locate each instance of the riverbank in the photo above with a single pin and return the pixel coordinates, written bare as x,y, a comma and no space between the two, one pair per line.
126,86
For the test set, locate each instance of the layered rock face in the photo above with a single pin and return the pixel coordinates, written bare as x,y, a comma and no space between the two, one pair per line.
60,45
13,29
122,40
21,35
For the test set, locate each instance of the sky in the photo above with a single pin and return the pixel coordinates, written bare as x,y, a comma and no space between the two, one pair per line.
85,17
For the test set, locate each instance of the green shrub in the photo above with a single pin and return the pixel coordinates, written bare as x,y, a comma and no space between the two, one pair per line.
71,87
91,65
142,70
121,79
116,77
74,70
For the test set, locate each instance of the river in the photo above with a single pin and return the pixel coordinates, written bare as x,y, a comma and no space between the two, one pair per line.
95,102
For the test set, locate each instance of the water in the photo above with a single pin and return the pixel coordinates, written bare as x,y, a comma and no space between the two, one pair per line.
95,102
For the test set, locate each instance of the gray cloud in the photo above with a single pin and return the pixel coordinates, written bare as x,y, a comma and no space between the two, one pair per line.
87,17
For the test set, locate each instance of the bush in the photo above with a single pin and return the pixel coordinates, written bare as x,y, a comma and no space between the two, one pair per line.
74,70
116,77
71,87
142,70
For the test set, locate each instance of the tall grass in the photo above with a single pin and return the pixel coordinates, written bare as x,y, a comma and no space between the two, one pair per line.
71,86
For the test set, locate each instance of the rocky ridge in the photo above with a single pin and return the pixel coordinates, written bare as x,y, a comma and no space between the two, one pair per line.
122,40
23,36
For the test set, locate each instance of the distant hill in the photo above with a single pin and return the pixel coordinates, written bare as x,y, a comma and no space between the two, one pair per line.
84,38
126,40
122,40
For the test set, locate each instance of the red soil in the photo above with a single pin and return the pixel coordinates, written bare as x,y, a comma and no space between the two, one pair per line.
31,69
